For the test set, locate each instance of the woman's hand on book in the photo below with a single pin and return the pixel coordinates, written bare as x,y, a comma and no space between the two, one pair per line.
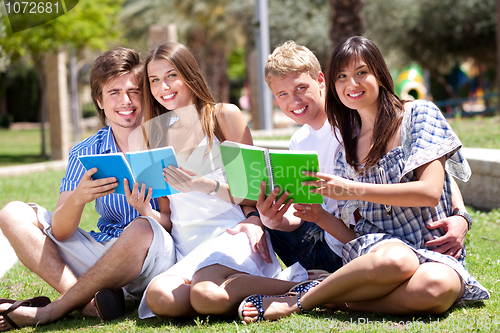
186,181
138,199
333,186
271,212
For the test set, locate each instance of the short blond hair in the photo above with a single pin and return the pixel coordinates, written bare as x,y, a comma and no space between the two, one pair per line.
290,57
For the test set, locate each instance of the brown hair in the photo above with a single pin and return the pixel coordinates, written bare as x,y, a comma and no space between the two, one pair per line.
390,112
291,58
187,67
108,66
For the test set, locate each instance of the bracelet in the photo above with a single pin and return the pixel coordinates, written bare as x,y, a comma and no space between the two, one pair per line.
254,213
216,188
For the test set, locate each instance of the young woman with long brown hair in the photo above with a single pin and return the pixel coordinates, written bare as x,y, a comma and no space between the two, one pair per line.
393,168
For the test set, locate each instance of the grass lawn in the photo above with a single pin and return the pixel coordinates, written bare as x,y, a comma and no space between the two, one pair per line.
21,147
478,132
483,262
24,146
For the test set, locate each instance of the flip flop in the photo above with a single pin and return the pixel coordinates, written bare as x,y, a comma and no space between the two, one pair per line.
256,300
35,302
110,304
38,302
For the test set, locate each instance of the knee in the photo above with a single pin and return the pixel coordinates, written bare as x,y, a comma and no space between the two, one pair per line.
16,213
140,231
397,263
208,298
160,301
438,287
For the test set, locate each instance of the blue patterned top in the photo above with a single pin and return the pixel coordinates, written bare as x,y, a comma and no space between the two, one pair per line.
425,136
114,211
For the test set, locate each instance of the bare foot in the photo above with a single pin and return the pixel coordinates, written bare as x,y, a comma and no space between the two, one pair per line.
337,306
22,316
89,310
275,307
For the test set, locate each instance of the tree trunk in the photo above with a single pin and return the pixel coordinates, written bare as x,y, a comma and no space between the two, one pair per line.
213,63
498,55
216,72
42,110
347,19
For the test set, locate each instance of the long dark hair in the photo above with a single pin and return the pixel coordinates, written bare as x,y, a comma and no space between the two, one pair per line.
187,67
391,108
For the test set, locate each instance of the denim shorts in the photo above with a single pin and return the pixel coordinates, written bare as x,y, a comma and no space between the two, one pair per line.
306,245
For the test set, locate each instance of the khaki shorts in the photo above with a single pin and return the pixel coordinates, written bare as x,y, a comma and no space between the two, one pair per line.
81,251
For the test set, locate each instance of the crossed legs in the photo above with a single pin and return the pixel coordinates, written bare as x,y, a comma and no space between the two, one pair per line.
34,249
214,290
119,266
390,280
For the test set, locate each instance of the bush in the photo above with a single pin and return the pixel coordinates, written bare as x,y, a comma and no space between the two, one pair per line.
22,93
88,110
6,120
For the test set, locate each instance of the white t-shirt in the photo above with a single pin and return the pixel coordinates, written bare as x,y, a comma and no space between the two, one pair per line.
325,143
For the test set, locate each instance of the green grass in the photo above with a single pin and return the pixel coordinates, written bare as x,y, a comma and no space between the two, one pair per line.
483,262
24,146
478,132
21,147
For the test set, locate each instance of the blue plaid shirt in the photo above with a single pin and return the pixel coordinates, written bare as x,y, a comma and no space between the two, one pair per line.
114,211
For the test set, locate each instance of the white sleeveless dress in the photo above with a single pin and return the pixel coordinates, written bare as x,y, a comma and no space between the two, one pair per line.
199,228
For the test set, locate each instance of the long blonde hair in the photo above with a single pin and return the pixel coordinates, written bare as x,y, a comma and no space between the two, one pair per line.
187,67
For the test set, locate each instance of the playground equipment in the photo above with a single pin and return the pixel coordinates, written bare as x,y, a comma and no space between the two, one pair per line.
410,83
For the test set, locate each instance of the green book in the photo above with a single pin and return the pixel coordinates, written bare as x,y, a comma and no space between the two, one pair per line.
247,166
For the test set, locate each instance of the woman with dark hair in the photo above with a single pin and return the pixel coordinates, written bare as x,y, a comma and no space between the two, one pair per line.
216,268
393,170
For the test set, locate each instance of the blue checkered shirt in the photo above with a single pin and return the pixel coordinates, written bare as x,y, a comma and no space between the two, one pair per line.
425,136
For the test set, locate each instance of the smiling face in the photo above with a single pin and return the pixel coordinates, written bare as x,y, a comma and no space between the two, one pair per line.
357,87
121,101
301,98
167,86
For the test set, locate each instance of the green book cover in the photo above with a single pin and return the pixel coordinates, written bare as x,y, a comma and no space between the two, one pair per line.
247,166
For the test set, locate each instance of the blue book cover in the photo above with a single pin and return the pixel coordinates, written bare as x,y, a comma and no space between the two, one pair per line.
145,166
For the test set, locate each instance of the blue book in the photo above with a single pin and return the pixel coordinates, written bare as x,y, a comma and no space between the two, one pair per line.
145,166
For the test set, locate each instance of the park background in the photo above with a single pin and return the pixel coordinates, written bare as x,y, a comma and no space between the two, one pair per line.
449,47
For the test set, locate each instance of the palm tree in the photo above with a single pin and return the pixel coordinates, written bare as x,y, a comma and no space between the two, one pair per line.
346,19
207,27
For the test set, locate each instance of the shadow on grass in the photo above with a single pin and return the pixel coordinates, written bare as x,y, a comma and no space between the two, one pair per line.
7,160
199,322
318,319
327,319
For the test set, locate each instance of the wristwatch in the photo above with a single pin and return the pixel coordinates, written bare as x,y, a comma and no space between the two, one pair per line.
216,188
465,215
254,213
